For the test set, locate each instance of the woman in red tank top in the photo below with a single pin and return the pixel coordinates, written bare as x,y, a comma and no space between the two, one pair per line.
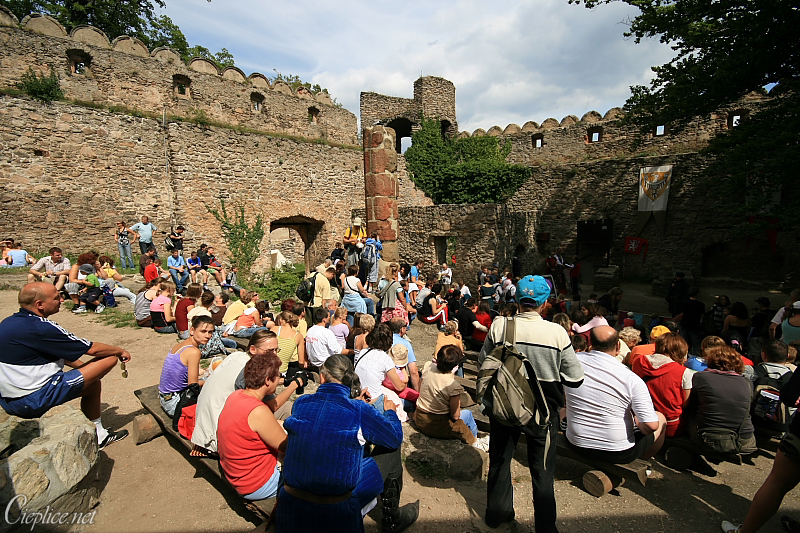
250,440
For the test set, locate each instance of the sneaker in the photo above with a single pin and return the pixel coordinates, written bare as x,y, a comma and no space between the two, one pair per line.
727,527
482,444
99,309
205,288
113,436
79,309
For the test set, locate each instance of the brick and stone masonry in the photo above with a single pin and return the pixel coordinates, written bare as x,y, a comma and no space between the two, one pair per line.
381,187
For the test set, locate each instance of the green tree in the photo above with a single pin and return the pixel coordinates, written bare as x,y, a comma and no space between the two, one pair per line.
470,170
164,32
243,239
222,58
114,17
726,50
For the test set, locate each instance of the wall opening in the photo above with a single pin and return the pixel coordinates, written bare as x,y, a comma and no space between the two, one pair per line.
402,128
537,140
659,131
445,128
595,134
440,248
181,86
80,63
736,117
313,115
256,102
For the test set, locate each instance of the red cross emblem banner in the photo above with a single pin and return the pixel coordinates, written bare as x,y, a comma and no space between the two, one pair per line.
654,185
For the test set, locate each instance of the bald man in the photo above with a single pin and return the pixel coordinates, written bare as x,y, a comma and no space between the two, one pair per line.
610,417
35,350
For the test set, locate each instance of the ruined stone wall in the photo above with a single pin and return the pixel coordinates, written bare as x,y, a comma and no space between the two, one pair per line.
595,136
124,73
377,108
67,173
409,196
483,234
436,98
697,239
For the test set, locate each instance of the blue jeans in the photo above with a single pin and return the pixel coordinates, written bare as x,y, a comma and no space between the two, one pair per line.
125,253
247,332
469,420
143,246
180,278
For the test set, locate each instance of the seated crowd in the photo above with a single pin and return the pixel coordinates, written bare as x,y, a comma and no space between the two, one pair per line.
618,388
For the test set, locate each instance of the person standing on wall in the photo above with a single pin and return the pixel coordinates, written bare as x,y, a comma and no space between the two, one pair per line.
176,236
145,230
354,238
124,237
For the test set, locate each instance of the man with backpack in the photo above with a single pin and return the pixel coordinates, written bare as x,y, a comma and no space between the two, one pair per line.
316,291
354,238
769,378
547,350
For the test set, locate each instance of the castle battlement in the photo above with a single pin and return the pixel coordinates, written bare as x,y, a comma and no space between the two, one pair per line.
124,73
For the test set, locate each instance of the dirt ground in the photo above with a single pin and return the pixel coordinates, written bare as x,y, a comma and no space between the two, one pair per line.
155,487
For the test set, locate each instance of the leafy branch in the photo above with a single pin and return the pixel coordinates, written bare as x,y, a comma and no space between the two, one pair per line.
243,239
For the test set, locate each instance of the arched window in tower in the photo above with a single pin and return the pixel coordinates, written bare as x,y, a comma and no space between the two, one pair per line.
402,130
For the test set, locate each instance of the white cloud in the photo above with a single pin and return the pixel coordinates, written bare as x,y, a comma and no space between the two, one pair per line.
510,61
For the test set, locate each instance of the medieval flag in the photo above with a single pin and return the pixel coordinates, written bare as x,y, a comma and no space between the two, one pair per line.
654,188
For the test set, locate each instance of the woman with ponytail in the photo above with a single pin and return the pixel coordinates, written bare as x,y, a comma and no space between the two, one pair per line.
327,478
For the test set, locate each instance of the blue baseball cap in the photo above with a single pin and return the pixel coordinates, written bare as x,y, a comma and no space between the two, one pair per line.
533,289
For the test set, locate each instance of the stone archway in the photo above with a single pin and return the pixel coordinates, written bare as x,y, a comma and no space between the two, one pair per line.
308,229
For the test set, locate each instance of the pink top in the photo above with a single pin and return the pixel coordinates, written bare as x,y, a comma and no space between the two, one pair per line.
593,323
159,302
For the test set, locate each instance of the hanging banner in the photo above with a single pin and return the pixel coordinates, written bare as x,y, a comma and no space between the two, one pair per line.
654,188
636,246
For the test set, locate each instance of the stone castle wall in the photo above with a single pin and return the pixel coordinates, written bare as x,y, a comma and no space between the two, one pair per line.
67,173
124,73
595,136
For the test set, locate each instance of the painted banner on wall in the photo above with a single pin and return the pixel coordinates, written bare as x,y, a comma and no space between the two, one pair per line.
654,185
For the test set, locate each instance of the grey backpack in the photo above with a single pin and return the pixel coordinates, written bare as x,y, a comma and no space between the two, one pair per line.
507,385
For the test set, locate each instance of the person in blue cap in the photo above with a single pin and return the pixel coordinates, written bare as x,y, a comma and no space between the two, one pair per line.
548,349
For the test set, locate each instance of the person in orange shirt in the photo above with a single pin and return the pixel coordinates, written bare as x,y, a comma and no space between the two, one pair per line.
646,349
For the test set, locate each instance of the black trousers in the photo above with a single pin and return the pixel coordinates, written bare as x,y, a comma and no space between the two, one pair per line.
500,494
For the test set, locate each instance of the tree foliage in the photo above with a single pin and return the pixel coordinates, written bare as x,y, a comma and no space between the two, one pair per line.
242,238
726,50
458,171
223,58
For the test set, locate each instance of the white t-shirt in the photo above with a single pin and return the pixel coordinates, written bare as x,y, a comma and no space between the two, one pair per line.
778,318
351,285
321,343
371,367
219,385
465,292
446,275
600,412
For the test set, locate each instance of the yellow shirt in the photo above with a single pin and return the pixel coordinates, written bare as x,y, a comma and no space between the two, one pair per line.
322,291
234,311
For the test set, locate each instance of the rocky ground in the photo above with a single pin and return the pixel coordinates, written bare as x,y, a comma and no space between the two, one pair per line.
155,487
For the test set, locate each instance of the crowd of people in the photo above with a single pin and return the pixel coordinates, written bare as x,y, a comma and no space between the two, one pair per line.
620,386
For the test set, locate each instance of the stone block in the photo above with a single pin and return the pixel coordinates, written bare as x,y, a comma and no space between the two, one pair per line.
380,185
439,458
384,208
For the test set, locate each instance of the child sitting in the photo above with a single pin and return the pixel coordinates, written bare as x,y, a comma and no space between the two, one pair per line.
92,293
399,354
340,327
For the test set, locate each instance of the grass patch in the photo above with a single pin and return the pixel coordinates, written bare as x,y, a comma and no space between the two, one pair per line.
114,316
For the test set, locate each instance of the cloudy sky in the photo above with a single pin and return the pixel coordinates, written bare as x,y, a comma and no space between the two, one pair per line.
511,61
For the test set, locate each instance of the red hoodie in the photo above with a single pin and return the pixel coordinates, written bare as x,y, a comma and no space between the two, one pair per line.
663,378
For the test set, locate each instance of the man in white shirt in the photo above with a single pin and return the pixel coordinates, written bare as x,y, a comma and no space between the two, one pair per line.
321,343
610,417
777,320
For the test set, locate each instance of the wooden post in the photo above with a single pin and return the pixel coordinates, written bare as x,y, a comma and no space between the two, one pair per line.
145,428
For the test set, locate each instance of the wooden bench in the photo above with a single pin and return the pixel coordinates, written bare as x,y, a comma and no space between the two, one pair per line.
146,427
603,478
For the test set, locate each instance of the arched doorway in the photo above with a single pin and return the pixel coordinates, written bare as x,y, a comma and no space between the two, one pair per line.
307,230
402,128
